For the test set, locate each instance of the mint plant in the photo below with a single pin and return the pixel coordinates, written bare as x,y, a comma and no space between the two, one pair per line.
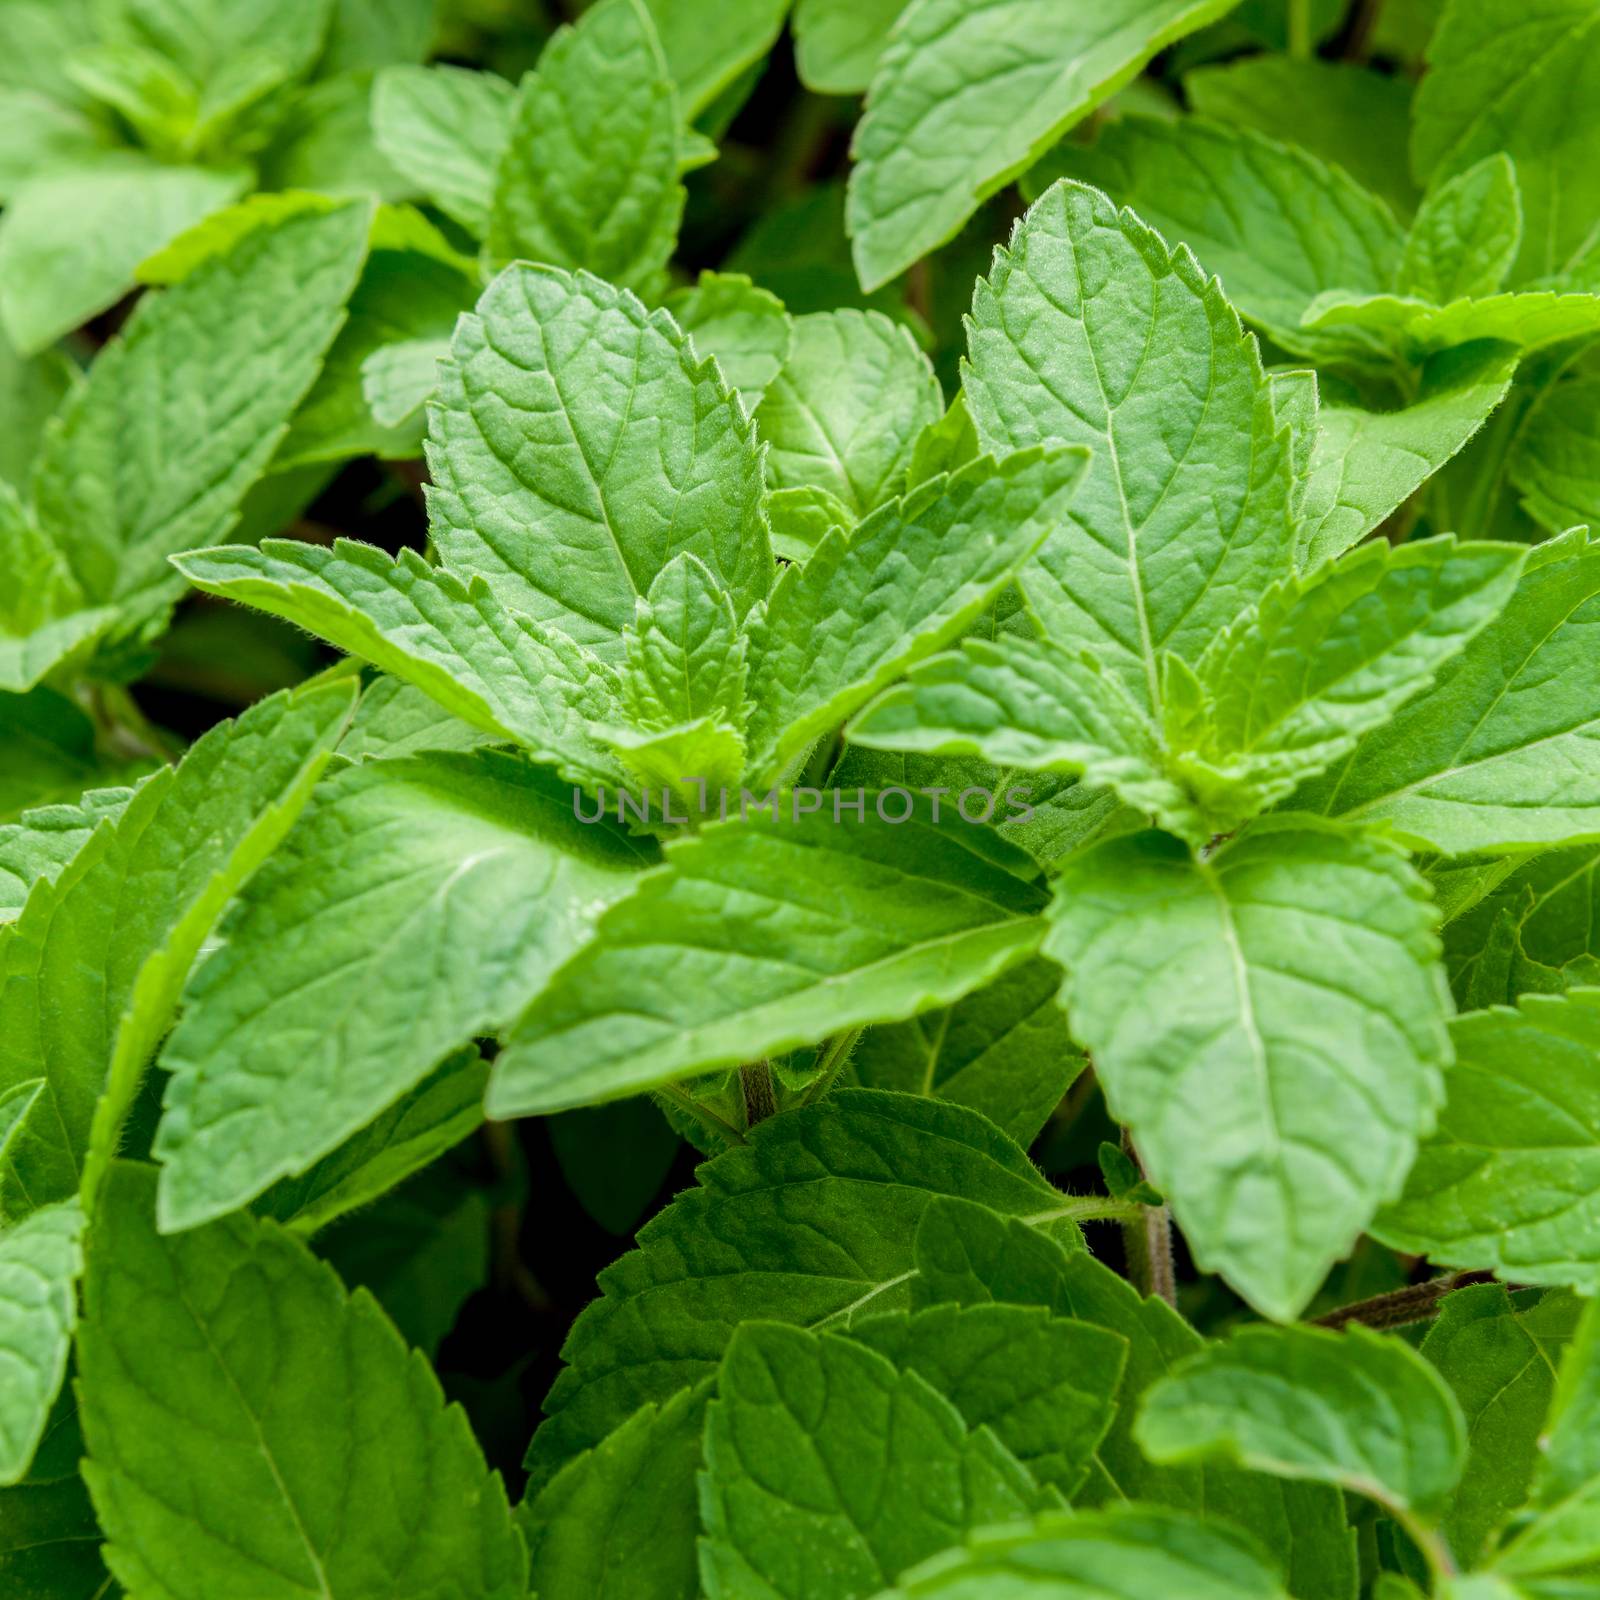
752,848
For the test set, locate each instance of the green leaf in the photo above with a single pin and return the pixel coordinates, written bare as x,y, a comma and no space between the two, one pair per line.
1270,1024
395,719
1555,462
403,310
622,1519
31,388
1127,1553
1033,704
202,41
745,328
1466,235
1414,328
966,96
761,935
910,579
1503,753
837,43
1564,1538
90,972
686,657
708,44
615,1158
366,34
232,1469
1511,1178
1351,116
419,1127
589,175
1292,685
1043,1385
1277,224
182,412
576,446
967,1255
1500,1364
51,753
1004,1050
41,842
444,128
40,1261
438,892
1090,331
845,412
1357,1409
456,642
811,1222
1365,464
829,1471
1502,78
71,238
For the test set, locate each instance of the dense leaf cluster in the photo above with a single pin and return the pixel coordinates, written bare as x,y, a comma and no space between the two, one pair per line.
1008,664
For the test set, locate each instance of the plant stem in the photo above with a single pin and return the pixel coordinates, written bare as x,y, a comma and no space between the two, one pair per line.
1147,1241
834,1055
759,1102
1399,1308
1300,29
1427,1539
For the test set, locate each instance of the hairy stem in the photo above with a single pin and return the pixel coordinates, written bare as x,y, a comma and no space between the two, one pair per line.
759,1102
1417,1302
1300,29
1147,1240
834,1055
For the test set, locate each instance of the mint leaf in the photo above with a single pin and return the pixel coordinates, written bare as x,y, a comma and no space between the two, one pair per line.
577,446
1185,506
810,1222
968,1255
1499,1362
1122,1554
1294,683
1350,116
40,1260
1274,1127
308,1397
1035,705
1555,463
1358,1409
453,883
743,326
837,43
1414,328
823,1460
625,1513
588,176
967,96
1563,1540
1497,756
1500,79
31,388
137,468
70,239
1043,1385
489,666
91,970
1510,1179
1279,226
444,128
762,935
1004,1050
432,1118
41,842
1466,235
911,577
709,46
1366,463
844,413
